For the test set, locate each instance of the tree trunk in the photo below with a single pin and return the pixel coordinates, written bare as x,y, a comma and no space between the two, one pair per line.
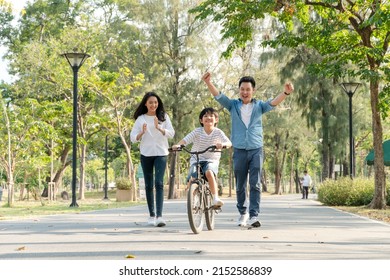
379,200
291,183
172,167
298,186
131,171
57,177
82,171
278,178
23,187
264,181
10,160
325,148
276,163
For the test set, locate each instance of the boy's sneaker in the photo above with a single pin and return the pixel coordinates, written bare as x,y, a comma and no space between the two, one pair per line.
152,221
254,222
218,202
160,222
241,222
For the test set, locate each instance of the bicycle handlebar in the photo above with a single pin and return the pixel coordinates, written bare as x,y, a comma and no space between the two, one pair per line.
211,148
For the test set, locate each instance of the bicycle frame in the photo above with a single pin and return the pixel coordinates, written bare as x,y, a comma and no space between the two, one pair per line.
199,196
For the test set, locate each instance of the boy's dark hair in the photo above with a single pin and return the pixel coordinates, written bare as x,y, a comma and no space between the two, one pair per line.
247,79
141,109
208,110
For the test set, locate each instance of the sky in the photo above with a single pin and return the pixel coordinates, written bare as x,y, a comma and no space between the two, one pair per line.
4,76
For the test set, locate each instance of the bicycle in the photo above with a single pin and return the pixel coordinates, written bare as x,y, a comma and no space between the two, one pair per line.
199,196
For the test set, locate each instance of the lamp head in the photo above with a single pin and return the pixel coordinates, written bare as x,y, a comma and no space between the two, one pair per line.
350,87
75,59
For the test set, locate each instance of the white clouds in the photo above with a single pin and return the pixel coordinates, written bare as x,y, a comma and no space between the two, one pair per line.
17,5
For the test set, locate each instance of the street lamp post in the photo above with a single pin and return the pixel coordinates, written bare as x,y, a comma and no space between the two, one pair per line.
349,89
75,61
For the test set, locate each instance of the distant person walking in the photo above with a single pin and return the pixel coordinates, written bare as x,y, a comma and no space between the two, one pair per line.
152,128
306,183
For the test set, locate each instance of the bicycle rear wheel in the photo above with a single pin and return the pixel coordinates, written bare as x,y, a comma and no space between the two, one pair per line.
195,208
209,212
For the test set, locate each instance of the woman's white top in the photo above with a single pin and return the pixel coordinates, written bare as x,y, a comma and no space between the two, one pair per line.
153,142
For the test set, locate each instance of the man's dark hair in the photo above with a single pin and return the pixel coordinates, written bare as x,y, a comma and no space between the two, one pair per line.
247,79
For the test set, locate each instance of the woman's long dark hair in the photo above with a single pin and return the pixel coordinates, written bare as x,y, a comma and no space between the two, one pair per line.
141,109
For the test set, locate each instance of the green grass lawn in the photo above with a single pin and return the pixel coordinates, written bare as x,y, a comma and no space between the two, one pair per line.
35,208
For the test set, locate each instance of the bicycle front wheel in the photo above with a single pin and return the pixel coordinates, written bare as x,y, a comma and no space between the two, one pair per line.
209,213
195,208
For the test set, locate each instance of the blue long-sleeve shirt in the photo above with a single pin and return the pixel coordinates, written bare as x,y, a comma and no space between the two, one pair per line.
242,137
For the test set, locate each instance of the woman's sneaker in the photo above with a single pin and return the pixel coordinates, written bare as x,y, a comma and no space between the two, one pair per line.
160,222
152,221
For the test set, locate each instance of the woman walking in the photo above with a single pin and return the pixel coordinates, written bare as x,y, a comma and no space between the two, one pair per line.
152,128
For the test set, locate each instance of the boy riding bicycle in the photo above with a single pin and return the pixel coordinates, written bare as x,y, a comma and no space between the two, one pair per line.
203,137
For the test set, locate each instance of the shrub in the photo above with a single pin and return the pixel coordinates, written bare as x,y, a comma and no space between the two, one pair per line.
123,183
388,195
346,192
333,193
361,193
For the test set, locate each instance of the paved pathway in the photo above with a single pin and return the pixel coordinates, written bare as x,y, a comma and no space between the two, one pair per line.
293,229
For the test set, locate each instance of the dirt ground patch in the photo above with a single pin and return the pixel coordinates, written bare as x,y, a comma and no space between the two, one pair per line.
379,215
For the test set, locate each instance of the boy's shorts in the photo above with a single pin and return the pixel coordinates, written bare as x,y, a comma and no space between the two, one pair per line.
204,165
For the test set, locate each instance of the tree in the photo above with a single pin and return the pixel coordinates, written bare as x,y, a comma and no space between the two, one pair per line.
7,159
116,89
351,36
34,54
172,49
20,140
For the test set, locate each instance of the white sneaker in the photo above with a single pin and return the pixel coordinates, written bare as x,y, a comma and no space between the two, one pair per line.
241,222
254,222
152,221
218,202
160,222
